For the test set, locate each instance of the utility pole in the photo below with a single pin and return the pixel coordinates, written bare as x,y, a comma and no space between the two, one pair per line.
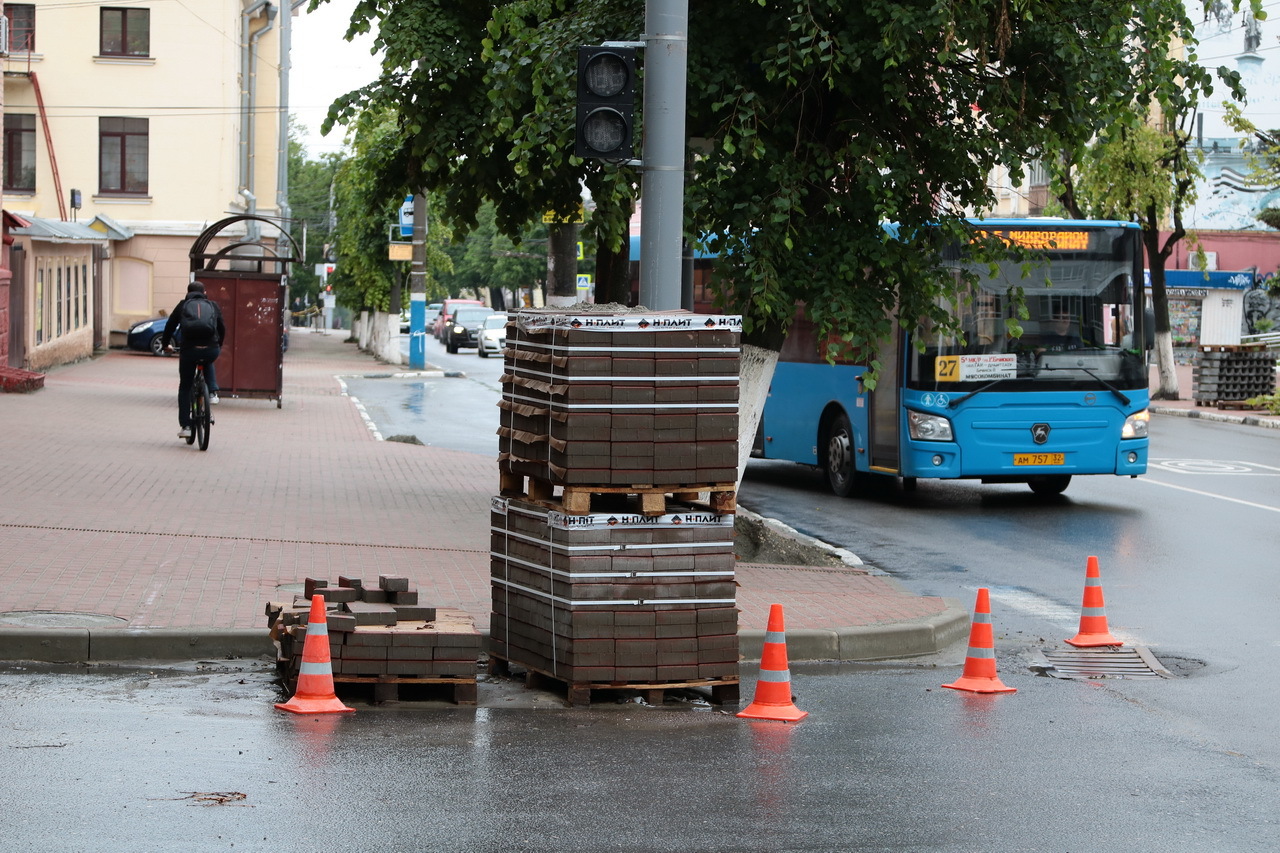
666,68
418,287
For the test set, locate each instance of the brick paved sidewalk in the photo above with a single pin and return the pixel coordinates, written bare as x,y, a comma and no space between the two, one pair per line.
104,512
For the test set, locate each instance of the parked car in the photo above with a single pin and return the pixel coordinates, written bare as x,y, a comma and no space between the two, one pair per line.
446,313
463,330
433,309
493,335
145,336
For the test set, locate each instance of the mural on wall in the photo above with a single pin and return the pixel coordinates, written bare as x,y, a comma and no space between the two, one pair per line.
1261,310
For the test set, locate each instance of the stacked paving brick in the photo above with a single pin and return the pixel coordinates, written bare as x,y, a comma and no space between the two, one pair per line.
614,597
381,635
621,399
1232,374
638,412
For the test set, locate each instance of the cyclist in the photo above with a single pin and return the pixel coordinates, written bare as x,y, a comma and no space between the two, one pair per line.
200,321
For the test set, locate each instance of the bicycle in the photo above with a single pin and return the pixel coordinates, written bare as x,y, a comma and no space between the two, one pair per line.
201,417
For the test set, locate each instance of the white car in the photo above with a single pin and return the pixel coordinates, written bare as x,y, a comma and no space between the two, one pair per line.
433,311
493,335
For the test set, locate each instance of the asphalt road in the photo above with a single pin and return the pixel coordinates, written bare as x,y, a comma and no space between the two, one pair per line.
196,758
1187,555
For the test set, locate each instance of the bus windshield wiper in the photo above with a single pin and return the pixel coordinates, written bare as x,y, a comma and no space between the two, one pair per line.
977,391
1113,389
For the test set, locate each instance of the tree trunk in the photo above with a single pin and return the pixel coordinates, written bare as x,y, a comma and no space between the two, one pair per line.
755,375
1166,372
562,265
613,275
1168,376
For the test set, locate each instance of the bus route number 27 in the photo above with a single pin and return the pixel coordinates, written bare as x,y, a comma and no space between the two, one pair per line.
947,368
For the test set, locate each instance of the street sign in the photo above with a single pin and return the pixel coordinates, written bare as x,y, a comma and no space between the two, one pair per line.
406,217
400,252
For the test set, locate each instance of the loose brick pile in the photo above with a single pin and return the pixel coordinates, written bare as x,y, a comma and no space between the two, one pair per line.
379,632
633,409
634,399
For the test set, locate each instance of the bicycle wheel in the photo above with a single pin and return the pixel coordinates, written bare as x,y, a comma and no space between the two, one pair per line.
192,420
200,411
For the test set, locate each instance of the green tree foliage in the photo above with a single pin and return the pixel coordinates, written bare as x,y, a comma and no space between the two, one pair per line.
1143,166
816,122
365,279
310,182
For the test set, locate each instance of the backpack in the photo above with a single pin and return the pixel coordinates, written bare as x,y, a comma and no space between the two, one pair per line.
199,322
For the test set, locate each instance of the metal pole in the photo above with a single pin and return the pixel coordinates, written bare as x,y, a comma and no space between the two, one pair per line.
417,287
662,183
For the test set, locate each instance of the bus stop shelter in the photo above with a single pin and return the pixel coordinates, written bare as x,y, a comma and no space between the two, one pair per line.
248,280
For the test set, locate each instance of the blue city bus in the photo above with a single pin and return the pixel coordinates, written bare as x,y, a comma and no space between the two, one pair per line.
1068,396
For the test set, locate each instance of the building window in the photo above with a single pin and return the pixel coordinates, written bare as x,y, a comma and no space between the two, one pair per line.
19,152
22,26
123,145
126,32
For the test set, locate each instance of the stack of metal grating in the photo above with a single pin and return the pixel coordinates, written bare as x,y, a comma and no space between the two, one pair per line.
1232,373
631,583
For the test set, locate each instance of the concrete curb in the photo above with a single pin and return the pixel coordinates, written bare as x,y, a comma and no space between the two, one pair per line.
97,645
1214,415
83,645
867,642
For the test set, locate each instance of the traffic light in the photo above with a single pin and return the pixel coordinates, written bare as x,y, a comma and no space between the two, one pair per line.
606,98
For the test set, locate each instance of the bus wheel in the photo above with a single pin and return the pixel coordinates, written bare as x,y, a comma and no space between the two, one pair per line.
1054,484
841,472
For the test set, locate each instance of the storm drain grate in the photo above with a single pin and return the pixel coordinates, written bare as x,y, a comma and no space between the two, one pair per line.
1133,662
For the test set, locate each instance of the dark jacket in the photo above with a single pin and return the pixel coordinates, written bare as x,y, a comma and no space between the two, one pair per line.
176,317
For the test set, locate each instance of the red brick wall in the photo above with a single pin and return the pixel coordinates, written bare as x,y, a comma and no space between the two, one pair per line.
5,276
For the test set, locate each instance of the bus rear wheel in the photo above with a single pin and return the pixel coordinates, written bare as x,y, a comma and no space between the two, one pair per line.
1054,484
842,474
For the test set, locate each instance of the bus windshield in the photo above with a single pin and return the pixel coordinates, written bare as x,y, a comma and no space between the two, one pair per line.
1084,323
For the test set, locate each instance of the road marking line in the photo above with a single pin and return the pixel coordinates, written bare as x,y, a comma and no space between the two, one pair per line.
1209,494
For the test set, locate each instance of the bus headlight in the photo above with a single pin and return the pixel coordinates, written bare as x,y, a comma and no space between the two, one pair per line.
1135,426
925,427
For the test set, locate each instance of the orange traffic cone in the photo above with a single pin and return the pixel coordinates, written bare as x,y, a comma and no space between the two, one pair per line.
314,694
1093,612
979,674
773,689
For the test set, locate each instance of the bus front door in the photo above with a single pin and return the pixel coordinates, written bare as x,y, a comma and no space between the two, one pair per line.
885,405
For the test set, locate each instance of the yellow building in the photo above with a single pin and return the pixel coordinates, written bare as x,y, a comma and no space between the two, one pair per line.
128,129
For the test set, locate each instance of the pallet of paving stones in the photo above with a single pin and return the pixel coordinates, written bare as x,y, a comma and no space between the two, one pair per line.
683,560
629,398
723,691
382,639
587,499
614,600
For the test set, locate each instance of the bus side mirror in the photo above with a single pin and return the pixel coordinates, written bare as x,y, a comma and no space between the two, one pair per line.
1149,330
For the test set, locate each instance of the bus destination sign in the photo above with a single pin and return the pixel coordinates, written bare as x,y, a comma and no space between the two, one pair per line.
975,368
1043,240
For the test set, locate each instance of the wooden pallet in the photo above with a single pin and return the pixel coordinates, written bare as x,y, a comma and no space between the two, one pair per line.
578,499
379,689
724,691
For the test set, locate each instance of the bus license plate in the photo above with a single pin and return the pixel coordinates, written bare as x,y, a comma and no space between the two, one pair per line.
1039,459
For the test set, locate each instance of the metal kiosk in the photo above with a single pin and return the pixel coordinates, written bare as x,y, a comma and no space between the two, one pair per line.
248,281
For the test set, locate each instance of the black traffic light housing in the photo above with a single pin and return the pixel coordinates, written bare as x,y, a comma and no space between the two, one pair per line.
606,100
